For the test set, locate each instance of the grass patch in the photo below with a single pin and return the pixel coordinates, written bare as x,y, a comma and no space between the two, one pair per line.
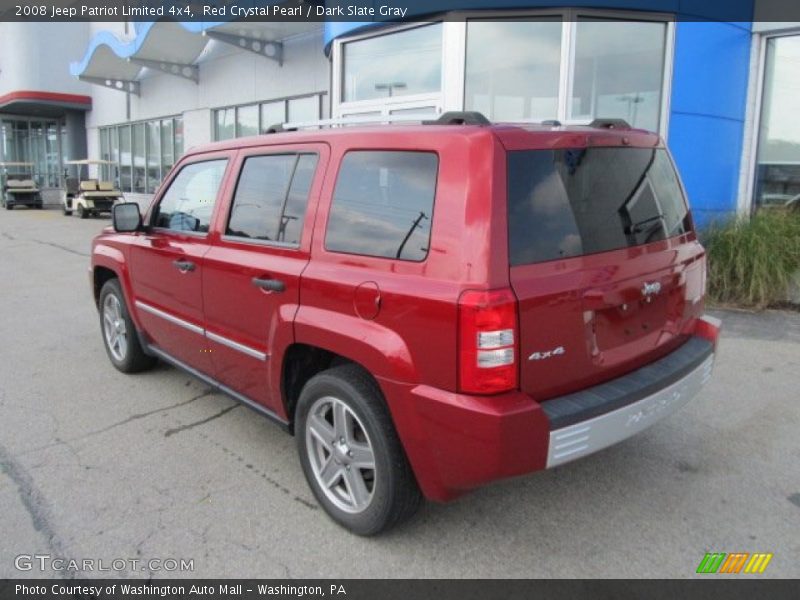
751,262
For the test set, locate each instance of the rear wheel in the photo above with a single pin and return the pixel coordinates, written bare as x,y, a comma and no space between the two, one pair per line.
119,333
350,453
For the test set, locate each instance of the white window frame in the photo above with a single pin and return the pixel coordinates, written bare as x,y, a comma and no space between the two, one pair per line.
755,105
384,106
454,57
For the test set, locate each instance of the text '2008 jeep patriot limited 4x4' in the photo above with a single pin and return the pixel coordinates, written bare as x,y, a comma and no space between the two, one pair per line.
427,307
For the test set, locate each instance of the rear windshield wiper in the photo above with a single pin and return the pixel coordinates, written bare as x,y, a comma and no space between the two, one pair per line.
637,227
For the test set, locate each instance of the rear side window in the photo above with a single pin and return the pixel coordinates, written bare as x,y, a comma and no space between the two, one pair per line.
271,198
383,204
189,202
576,201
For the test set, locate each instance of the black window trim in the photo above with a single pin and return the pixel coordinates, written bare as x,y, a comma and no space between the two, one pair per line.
227,237
180,167
433,202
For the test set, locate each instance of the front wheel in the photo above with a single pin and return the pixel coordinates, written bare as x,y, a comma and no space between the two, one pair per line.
83,213
350,453
119,333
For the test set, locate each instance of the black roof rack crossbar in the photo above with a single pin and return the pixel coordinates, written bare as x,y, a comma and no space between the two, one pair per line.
610,124
459,117
278,128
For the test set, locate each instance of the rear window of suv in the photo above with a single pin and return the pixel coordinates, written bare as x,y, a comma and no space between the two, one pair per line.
575,201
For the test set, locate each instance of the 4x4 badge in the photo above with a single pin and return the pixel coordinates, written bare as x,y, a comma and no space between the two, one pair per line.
547,353
651,288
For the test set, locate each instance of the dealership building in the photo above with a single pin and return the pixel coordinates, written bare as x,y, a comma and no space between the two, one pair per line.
722,93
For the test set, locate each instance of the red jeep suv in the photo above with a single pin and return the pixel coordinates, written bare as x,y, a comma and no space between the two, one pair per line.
427,307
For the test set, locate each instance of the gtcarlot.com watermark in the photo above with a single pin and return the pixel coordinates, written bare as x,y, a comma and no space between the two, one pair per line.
47,562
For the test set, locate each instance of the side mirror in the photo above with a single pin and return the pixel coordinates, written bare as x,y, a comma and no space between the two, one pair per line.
126,217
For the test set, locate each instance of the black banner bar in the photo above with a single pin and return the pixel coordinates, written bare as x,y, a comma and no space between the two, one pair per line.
373,589
243,11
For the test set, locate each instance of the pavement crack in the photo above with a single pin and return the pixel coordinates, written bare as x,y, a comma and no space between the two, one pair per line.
32,499
138,416
54,245
175,430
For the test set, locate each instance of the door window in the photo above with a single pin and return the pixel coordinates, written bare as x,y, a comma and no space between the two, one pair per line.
189,202
271,198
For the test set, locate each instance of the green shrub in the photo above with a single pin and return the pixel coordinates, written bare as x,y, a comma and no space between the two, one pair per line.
750,262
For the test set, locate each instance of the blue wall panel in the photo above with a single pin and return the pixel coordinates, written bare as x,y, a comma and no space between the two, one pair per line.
709,95
707,151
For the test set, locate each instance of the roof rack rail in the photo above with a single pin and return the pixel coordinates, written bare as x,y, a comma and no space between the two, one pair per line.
610,124
448,118
459,117
356,120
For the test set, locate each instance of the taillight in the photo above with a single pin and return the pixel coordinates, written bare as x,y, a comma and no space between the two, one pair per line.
487,338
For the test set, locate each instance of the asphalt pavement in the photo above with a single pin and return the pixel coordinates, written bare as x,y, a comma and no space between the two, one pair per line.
96,465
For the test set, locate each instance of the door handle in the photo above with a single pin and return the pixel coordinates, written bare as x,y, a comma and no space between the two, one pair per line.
184,266
271,285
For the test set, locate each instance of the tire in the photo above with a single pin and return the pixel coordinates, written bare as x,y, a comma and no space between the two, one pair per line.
9,206
389,493
124,349
83,213
66,212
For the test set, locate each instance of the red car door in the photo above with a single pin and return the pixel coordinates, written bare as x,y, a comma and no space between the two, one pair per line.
166,262
251,277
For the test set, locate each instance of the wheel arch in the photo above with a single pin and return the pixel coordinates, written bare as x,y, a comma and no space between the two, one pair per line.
303,361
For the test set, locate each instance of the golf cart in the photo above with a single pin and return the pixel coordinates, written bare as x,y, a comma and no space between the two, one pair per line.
86,196
19,188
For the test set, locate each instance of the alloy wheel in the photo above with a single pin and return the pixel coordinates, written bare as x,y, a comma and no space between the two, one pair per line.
341,454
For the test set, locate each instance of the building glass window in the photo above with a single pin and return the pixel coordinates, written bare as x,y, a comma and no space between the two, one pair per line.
113,156
36,142
778,159
125,158
225,127
573,65
139,171
177,124
618,71
104,154
141,163
153,130
247,120
167,147
303,109
273,113
396,64
513,68
252,119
